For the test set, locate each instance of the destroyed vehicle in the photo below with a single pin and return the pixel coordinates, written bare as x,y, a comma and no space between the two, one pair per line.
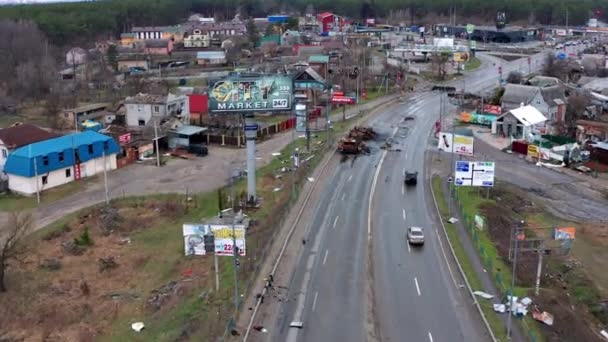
411,178
352,146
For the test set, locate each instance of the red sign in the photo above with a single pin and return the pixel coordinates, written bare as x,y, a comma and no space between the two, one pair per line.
491,109
125,138
364,94
337,93
342,100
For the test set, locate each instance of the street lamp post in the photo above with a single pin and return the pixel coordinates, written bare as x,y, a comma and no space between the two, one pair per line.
511,301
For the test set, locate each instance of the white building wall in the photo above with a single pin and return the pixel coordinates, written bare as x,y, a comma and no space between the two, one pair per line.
136,112
27,186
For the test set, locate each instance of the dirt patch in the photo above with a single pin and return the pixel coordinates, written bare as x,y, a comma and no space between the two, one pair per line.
570,282
57,296
570,321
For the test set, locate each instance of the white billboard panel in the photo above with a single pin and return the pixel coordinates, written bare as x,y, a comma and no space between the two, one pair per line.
194,239
470,173
456,143
223,238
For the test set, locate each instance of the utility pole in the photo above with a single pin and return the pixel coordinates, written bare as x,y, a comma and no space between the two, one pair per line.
234,247
156,145
105,178
511,301
539,270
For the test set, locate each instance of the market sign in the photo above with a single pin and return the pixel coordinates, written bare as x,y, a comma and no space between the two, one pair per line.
244,94
472,173
342,100
564,233
533,151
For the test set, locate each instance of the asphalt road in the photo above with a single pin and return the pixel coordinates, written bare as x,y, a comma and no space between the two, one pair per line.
416,294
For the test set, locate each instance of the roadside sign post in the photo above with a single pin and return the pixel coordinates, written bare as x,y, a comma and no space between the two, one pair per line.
246,95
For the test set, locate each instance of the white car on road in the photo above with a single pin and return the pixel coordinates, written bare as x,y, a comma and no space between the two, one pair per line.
415,236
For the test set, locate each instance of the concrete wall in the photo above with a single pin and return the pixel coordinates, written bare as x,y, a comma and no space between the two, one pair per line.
27,186
136,112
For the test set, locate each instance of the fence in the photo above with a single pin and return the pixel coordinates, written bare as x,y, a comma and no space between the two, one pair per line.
239,139
468,219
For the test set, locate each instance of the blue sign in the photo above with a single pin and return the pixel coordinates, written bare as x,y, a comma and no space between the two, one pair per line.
251,127
462,166
561,56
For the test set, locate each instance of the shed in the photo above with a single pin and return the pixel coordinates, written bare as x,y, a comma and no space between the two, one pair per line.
211,57
184,135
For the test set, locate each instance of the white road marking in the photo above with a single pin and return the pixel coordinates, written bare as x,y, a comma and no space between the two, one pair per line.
430,337
325,257
409,249
402,189
343,196
314,301
417,287
403,172
349,178
371,197
404,215
336,221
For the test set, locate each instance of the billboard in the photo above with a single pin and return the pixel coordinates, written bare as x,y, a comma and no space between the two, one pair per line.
564,233
194,239
342,100
455,143
477,119
251,94
472,173
461,57
223,238
492,109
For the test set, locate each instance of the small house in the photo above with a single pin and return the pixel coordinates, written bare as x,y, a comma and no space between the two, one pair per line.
143,109
73,118
158,47
197,38
519,123
46,164
211,58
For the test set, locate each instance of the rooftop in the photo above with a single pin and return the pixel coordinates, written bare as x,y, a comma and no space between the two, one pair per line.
88,107
528,115
24,134
155,29
517,93
211,55
142,98
157,43
318,59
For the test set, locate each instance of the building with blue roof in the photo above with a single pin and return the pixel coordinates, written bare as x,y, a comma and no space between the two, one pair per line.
50,163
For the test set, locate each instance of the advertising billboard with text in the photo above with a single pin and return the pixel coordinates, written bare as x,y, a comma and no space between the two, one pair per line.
251,94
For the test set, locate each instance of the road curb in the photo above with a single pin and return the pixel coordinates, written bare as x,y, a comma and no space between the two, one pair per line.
470,290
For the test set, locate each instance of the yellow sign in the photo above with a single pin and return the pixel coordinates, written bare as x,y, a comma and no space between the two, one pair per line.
533,151
461,57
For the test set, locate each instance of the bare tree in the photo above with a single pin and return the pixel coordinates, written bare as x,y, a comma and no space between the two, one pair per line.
28,68
270,49
438,65
12,246
577,105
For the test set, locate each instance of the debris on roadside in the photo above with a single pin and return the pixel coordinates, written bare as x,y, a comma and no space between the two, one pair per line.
483,294
138,326
452,220
296,324
544,317
500,308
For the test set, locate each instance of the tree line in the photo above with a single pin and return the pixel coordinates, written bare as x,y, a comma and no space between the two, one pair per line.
67,23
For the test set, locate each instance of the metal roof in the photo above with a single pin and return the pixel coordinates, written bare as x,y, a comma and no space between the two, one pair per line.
210,55
318,59
59,153
189,130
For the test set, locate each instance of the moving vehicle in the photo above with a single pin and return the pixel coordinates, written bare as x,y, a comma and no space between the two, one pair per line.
415,236
411,178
